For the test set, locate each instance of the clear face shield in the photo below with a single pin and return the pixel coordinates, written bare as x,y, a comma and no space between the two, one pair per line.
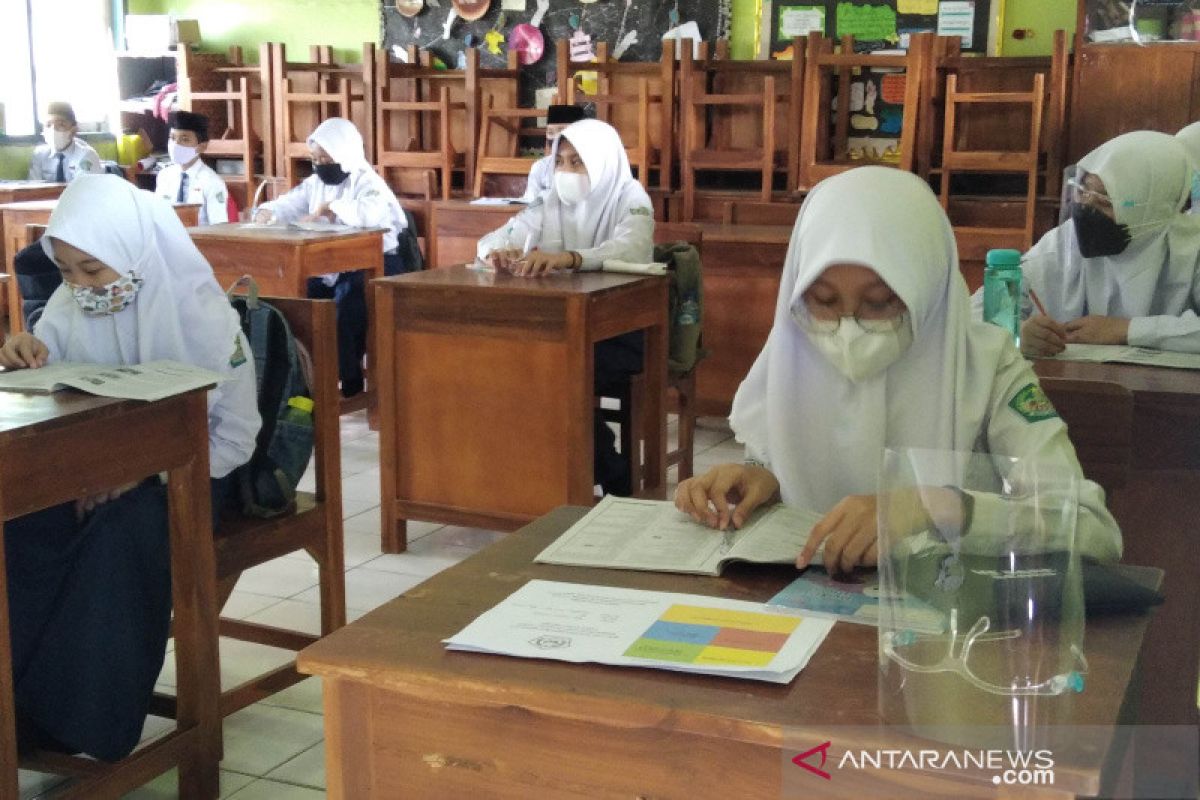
982,613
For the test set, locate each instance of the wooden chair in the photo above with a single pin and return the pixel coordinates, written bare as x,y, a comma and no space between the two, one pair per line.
823,155
315,526
1022,162
739,117
508,162
308,93
1099,417
635,97
236,97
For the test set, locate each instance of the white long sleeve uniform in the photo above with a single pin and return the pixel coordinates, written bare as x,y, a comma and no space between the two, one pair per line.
204,187
632,239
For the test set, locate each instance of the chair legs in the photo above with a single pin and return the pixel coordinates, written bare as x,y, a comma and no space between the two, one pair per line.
631,419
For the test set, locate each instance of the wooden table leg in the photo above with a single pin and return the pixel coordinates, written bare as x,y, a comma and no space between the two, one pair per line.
8,722
579,390
393,532
372,380
193,578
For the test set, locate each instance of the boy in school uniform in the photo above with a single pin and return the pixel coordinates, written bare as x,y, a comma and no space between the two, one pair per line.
64,155
541,174
188,179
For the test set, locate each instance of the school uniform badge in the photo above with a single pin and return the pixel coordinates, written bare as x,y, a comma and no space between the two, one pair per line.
1033,404
239,356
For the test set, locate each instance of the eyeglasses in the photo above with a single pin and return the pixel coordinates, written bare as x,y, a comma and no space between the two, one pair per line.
919,652
1078,193
871,317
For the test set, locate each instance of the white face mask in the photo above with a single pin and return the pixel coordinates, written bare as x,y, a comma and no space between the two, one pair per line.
59,140
181,154
572,187
859,354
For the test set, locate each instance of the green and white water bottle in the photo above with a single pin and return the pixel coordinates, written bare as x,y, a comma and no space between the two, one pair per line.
1002,291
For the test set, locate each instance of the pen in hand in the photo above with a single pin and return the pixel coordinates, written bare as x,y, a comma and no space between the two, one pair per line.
1037,302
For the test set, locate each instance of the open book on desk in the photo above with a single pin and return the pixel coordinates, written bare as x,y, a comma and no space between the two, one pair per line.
153,380
654,536
1125,354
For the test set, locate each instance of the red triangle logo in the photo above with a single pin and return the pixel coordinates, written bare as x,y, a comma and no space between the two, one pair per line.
823,749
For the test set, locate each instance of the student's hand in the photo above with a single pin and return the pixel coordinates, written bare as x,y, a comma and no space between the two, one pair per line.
321,212
1095,329
850,533
1042,336
264,216
707,499
542,263
503,259
23,350
86,505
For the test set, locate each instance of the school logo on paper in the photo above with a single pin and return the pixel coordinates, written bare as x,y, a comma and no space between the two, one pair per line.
1032,404
801,760
551,642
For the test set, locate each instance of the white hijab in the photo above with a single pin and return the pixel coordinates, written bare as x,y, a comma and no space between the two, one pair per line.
823,435
180,313
1189,137
1148,177
593,220
341,140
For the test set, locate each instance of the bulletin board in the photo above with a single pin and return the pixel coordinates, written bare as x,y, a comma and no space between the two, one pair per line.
879,24
611,21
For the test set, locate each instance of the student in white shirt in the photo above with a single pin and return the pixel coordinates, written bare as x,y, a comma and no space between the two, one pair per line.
187,179
594,212
64,155
1125,268
541,174
1189,137
89,582
874,347
344,188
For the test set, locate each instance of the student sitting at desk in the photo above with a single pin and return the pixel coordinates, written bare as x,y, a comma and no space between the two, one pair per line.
1125,268
873,346
1189,137
187,179
89,583
595,211
343,188
64,155
541,174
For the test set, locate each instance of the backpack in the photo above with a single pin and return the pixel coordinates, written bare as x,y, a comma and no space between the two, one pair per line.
408,246
685,306
283,371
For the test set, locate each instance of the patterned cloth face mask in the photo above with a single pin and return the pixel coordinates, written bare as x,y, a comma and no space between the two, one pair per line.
109,298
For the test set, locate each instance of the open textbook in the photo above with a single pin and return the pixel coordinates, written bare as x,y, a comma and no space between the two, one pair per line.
635,628
654,536
153,380
1124,354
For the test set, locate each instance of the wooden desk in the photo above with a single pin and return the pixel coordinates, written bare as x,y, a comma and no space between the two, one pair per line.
743,265
14,216
406,718
456,226
18,191
1158,511
282,260
36,433
486,391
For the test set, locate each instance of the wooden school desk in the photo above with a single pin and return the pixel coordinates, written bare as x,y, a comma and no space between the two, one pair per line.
743,265
406,718
38,433
486,391
13,219
1158,510
17,191
456,226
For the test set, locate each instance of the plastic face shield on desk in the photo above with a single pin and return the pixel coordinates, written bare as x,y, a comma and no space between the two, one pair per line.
982,598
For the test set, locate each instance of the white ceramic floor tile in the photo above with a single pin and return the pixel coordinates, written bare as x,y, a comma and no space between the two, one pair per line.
354,506
30,784
280,578
240,661
364,486
259,738
302,696
423,564
306,769
292,615
274,790
474,539
166,786
369,588
242,604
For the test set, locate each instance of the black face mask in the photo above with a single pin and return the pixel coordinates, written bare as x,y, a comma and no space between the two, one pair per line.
1097,234
332,174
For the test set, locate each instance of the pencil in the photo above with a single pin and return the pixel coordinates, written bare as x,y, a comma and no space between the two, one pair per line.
1037,302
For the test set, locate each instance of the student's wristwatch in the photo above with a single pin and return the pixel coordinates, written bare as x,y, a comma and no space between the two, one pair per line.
576,260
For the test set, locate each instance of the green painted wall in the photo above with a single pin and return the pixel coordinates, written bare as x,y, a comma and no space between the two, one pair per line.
14,158
745,23
1042,17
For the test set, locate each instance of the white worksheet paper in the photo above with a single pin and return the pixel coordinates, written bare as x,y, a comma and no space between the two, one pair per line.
1124,354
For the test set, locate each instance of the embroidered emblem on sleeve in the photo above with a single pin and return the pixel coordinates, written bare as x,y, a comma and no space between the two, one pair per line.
239,356
641,211
1033,404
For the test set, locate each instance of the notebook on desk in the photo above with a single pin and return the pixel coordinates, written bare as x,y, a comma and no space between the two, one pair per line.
153,380
1125,354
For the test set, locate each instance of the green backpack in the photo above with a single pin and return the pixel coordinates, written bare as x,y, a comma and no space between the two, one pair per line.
685,306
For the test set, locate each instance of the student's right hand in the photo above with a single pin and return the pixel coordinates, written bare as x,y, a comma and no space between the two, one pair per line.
1042,336
23,350
746,486
264,216
504,259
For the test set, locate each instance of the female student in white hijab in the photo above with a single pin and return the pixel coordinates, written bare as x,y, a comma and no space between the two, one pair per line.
873,346
343,188
595,211
1125,268
89,583
1189,137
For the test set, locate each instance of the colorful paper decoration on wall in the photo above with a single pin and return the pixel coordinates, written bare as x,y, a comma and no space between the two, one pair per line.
528,43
